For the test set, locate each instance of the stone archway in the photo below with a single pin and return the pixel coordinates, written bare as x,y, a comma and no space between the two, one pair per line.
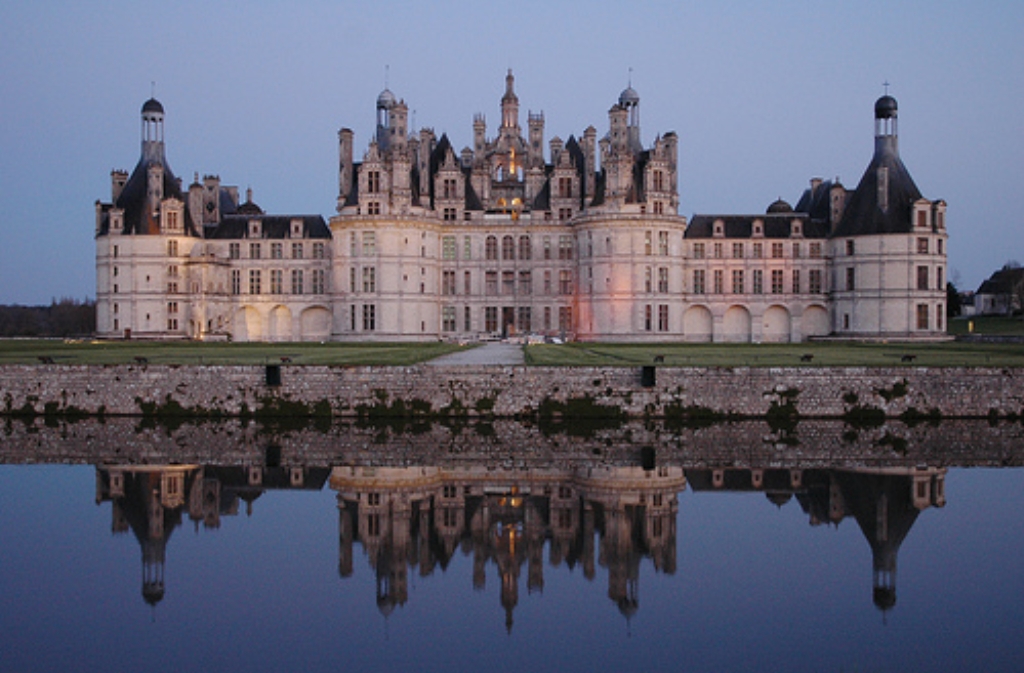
698,324
279,327
315,323
247,325
776,325
815,322
736,325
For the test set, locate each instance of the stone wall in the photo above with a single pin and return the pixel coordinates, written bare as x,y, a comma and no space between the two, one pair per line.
506,391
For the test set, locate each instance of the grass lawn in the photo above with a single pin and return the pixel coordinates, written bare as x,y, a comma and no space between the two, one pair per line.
33,351
988,324
950,354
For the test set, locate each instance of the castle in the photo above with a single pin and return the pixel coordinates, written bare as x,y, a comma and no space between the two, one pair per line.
579,239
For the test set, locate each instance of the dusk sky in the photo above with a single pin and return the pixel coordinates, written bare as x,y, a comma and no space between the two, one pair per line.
763,96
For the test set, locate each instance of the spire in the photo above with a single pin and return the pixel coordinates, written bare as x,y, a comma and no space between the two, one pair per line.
510,104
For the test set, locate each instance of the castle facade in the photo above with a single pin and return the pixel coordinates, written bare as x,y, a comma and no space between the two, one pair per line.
518,235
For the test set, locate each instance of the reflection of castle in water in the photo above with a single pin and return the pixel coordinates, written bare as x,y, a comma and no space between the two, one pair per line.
416,517
885,503
150,501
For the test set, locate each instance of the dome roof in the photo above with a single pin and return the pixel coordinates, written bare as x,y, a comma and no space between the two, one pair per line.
779,206
629,96
152,105
885,107
386,99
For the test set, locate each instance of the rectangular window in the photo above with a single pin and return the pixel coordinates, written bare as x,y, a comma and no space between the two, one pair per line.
297,281
939,284
849,247
647,243
938,246
319,281
850,279
698,281
254,251
663,279
565,281
547,247
467,323
777,252
663,243
816,250
757,282
234,250
276,281
254,281
490,318
369,279
276,251
814,281
662,317
236,281
467,247
939,315
372,182
922,245
448,284
547,318
718,251
450,214
737,281
525,283
491,282
719,281
565,214
565,188
698,251
447,318
547,282
565,247
565,318
758,251
922,278
648,280
525,319
448,247
648,317
922,316
777,283
297,250
467,283
369,243
796,281
737,250
369,317
172,248
796,251
318,251
508,282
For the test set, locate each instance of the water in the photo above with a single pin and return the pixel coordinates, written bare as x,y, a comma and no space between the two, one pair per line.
433,561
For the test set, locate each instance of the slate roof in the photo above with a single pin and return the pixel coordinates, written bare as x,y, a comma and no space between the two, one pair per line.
776,225
817,202
138,219
274,226
864,215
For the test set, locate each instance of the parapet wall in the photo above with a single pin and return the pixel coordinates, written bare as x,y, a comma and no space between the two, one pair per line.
508,391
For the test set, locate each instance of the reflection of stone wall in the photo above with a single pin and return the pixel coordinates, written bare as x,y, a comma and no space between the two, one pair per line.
509,391
509,445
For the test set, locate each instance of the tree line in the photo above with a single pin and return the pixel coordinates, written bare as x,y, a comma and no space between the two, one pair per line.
62,318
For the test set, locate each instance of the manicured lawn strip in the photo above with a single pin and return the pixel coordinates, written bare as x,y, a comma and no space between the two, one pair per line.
986,324
778,355
35,351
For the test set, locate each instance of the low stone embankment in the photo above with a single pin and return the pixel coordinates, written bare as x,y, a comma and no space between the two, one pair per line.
778,394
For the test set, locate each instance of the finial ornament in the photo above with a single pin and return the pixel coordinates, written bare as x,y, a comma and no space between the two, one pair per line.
387,75
630,79
886,85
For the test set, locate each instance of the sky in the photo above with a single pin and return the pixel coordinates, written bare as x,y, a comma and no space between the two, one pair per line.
763,96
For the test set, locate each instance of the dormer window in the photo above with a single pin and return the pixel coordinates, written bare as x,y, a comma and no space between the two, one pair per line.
255,229
296,231
796,228
719,229
758,228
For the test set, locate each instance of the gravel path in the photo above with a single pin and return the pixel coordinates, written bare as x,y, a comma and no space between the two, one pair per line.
491,353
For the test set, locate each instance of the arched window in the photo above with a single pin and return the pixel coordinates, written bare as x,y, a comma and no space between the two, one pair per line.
491,247
508,248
